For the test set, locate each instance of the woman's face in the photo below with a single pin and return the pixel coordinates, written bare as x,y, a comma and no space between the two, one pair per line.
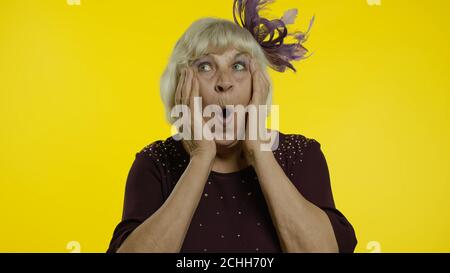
224,79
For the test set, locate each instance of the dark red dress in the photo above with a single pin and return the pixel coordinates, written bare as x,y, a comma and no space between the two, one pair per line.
232,215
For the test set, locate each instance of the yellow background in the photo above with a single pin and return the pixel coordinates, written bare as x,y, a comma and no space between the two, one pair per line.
79,89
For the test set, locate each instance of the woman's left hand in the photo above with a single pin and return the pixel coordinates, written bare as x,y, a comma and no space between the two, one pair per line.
260,91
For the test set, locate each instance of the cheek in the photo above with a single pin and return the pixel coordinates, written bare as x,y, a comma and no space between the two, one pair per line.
206,91
244,89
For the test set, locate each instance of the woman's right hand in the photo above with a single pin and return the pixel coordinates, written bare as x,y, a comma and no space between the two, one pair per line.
187,90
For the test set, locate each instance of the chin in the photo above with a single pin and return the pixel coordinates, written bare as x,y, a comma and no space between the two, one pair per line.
226,143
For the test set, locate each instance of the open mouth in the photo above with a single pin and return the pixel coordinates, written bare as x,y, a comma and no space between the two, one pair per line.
226,115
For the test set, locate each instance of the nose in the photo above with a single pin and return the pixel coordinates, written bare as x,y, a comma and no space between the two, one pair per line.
223,87
223,83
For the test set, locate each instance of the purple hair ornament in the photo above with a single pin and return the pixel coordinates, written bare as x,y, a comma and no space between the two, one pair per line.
271,34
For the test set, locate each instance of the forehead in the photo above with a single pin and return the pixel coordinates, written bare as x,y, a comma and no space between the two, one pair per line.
226,54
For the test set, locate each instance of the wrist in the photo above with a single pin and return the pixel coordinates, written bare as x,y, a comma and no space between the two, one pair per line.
255,154
258,155
206,157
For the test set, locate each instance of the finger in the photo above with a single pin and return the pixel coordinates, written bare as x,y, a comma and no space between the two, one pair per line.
179,86
191,99
196,86
200,119
257,86
264,77
183,85
194,90
177,90
191,107
254,73
253,68
196,93
265,90
187,86
262,89
197,117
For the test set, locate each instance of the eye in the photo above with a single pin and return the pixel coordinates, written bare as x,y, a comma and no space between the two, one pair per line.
239,66
204,67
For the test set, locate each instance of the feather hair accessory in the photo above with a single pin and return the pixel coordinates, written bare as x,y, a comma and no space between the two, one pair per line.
278,53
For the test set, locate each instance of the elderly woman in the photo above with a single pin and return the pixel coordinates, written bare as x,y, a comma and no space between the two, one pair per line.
229,195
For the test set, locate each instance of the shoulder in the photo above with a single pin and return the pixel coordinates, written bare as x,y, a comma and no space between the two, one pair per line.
168,153
296,141
159,148
294,149
295,144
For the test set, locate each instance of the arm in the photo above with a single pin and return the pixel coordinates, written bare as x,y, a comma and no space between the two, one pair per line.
301,225
164,231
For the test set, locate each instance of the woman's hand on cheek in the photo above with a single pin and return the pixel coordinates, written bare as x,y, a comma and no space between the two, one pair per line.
260,85
260,91
187,91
